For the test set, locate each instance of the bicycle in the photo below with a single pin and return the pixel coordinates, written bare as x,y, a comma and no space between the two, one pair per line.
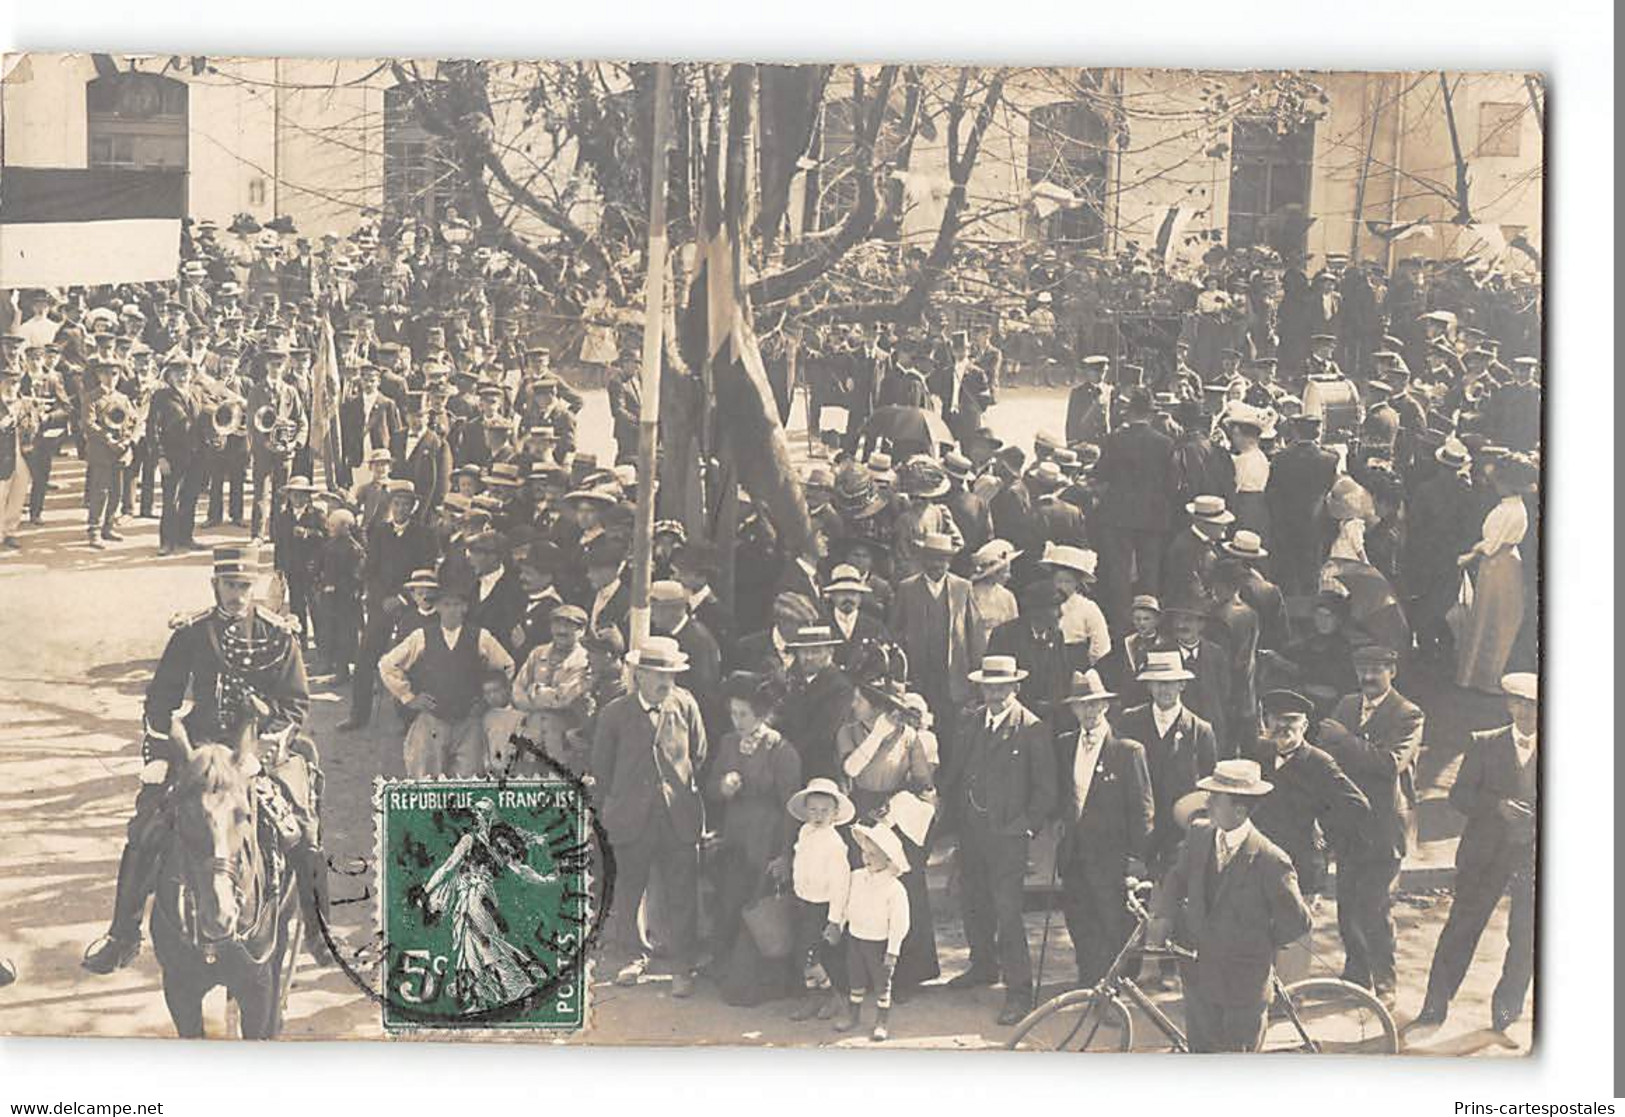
1312,1016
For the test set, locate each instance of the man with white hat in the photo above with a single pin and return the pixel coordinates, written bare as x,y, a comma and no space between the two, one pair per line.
647,750
1180,747
1000,787
1232,896
1496,789
1106,807
844,595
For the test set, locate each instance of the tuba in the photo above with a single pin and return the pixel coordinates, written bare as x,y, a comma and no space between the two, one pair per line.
116,419
265,420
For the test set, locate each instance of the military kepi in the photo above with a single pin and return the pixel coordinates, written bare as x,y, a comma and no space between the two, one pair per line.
236,558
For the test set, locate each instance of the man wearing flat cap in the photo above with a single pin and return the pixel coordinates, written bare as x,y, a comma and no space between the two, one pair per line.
1375,736
1233,897
1314,804
1496,789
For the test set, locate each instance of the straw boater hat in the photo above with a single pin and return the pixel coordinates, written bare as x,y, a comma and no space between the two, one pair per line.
1164,667
298,485
1087,686
1245,545
1230,777
844,810
659,653
992,556
668,592
1522,684
937,543
1210,510
844,578
399,486
998,669
1079,559
881,838
422,579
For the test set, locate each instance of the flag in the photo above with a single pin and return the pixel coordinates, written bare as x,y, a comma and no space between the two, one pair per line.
717,328
326,440
67,226
1171,233
1388,231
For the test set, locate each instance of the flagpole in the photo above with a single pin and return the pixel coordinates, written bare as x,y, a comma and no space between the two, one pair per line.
654,316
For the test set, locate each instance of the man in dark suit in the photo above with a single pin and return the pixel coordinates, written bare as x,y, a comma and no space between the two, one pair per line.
1136,479
970,512
647,750
1035,639
844,595
396,546
368,420
1300,477
1314,805
1000,788
1442,523
1207,694
172,427
1106,820
1187,566
818,701
935,619
1496,790
1232,896
1179,749
421,457
498,600
1375,737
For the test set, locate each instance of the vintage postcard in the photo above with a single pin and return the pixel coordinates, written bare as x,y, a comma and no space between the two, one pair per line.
927,556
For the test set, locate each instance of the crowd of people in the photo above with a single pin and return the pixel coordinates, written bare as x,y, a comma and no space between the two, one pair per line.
1205,582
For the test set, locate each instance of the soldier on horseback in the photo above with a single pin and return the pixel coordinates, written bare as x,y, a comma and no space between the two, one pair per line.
241,664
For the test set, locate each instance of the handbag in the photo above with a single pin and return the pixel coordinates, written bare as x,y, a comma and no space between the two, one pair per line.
1459,613
769,920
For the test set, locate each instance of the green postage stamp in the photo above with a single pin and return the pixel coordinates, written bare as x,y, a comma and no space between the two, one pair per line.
485,903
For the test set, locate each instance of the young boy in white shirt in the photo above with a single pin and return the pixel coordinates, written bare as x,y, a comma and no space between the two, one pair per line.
876,924
821,874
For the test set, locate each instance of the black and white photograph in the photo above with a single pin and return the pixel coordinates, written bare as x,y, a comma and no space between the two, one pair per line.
800,554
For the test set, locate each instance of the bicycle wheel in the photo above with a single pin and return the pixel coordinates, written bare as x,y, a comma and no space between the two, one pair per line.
1339,1018
1081,1020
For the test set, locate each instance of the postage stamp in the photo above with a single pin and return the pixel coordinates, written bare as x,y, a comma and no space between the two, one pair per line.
485,903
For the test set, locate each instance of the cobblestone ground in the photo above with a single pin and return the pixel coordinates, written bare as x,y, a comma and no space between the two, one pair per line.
83,630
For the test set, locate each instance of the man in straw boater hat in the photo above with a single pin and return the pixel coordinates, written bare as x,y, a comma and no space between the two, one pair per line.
241,664
1106,813
844,595
1232,897
1180,747
1496,789
648,747
1000,788
1191,553
437,672
1376,736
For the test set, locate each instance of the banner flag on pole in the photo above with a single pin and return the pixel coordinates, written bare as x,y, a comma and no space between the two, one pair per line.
61,227
326,440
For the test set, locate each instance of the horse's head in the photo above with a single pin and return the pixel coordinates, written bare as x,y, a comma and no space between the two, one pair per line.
215,823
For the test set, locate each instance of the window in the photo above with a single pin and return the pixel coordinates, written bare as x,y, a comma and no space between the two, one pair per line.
1066,147
419,171
136,122
1269,185
1500,126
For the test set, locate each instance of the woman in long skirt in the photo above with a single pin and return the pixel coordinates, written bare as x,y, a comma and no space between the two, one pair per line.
1498,585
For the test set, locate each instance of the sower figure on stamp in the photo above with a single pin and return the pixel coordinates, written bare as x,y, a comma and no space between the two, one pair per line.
239,663
1496,790
647,752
